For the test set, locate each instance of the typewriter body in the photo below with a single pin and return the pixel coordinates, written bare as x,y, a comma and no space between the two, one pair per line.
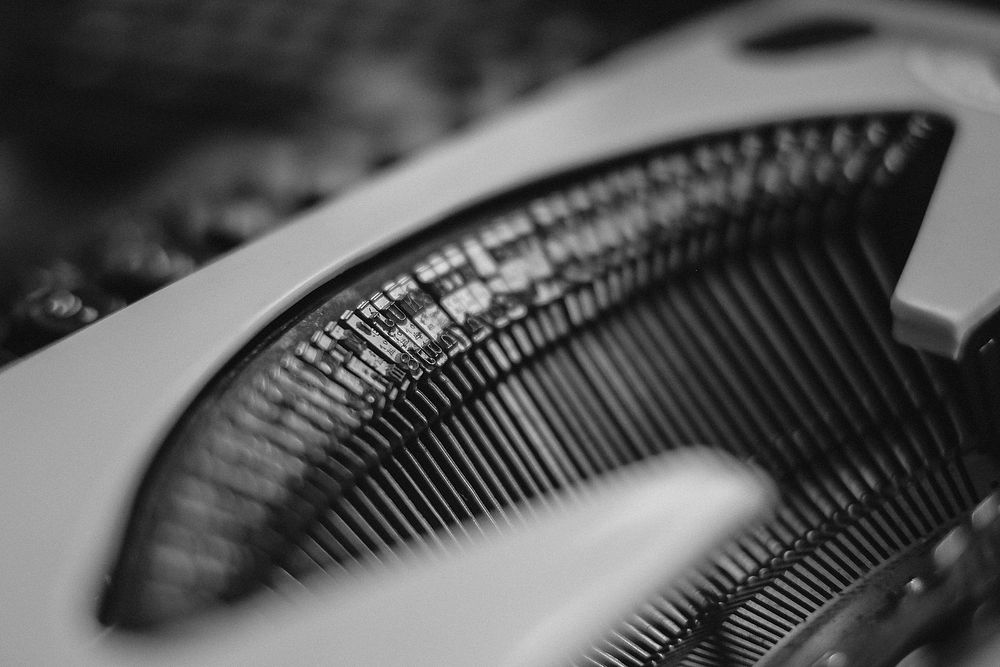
771,233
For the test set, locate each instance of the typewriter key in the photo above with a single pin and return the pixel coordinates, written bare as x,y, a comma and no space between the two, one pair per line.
49,313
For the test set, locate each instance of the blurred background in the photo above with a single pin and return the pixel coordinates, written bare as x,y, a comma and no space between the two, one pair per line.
140,139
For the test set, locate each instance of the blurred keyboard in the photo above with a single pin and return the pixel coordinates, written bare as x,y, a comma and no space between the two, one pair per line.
237,115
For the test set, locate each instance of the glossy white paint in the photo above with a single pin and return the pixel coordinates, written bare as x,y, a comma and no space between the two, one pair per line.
526,597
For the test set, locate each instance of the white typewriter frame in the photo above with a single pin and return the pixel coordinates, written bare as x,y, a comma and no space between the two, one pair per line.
81,420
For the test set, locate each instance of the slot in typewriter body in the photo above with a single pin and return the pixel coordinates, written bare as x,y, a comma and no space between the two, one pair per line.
772,233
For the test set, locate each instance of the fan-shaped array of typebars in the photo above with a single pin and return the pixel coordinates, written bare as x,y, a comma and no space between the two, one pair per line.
731,291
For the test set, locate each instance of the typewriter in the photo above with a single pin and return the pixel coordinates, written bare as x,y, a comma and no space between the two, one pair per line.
690,358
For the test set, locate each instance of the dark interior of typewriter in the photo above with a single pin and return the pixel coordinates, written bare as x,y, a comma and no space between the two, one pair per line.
730,289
